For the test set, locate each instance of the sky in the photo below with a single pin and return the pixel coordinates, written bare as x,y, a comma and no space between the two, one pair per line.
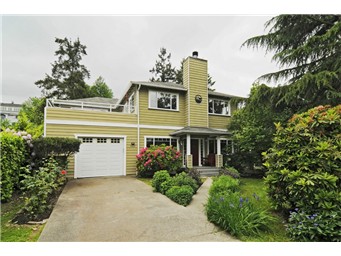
123,48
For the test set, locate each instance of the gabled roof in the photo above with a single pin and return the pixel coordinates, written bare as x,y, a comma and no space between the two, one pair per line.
165,85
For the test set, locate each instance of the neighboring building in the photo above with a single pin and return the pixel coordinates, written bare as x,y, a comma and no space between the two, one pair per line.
10,111
188,116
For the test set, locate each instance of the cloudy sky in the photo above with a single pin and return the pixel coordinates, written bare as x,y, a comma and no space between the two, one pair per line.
125,48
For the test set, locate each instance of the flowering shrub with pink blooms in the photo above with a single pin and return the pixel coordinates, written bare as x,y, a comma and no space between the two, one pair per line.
155,158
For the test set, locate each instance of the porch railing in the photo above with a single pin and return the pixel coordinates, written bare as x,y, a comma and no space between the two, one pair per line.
96,106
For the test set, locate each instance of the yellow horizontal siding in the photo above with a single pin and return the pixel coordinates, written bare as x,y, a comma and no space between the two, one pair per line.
161,117
89,115
57,130
196,82
218,122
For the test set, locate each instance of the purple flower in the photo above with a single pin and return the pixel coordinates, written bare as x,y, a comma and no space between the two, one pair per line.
240,199
296,209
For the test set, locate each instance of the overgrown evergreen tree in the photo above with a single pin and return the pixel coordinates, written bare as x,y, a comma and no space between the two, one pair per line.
67,78
308,49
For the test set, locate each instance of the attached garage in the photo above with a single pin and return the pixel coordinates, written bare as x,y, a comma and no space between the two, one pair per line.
100,156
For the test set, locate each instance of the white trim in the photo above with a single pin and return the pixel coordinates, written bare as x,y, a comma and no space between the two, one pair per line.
188,96
162,137
124,137
171,93
125,125
45,119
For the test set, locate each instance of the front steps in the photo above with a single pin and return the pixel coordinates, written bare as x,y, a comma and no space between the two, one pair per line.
207,171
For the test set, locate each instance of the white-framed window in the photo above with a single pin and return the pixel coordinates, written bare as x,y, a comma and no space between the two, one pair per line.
169,141
115,140
164,100
219,107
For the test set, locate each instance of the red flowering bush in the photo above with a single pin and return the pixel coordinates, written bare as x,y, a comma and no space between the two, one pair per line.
155,158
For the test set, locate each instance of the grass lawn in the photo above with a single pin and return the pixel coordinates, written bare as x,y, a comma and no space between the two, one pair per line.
277,233
16,233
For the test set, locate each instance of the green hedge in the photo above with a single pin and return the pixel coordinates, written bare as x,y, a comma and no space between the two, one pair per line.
13,152
54,146
180,194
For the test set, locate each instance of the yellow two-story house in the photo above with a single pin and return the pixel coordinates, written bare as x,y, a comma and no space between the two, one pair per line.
188,116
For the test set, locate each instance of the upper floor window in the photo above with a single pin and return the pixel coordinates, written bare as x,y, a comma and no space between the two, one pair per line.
219,107
164,100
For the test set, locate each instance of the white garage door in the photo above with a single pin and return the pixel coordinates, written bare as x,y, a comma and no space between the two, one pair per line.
100,157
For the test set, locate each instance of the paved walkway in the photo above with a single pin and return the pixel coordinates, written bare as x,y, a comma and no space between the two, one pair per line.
125,209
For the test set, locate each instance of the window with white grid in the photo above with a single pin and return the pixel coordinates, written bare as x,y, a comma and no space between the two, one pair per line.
101,140
115,140
87,140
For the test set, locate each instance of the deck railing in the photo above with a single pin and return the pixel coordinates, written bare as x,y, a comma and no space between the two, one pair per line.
96,106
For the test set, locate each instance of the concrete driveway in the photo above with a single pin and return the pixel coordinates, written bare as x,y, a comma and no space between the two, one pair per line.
124,209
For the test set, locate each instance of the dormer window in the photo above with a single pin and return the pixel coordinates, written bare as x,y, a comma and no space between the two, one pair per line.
164,100
219,107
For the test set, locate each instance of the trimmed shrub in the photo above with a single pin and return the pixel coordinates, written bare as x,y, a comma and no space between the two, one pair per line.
224,184
159,178
304,166
183,179
58,147
39,187
166,185
156,158
195,175
230,171
235,214
13,153
180,194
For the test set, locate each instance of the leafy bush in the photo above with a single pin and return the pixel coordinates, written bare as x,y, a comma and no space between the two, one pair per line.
224,184
304,165
39,187
235,214
195,175
159,178
183,179
230,171
13,153
180,194
155,158
324,226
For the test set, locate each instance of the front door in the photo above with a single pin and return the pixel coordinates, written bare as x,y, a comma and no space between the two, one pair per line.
195,151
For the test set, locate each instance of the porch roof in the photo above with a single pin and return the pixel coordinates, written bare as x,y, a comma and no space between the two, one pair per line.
199,131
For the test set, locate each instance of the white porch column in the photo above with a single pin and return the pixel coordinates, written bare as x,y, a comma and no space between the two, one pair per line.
218,156
189,158
188,144
199,160
208,146
218,146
